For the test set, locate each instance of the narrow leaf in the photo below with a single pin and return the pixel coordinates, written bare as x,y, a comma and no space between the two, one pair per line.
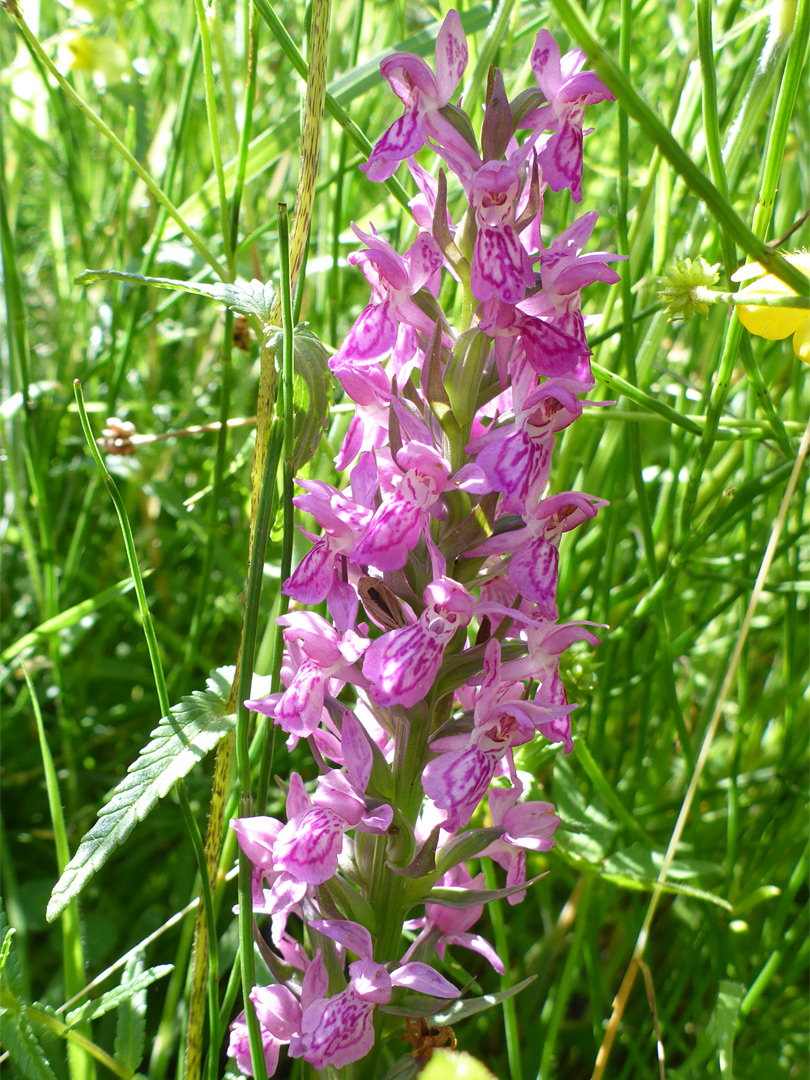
723,1024
130,1027
248,298
180,740
110,1000
451,897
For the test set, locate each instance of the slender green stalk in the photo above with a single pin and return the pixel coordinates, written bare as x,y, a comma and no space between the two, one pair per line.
167,183
252,35
564,988
200,610
758,91
785,104
81,1065
711,126
206,12
110,135
508,1007
132,555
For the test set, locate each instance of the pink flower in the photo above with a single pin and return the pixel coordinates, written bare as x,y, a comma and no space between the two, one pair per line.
457,780
521,340
452,924
423,94
568,90
398,522
533,566
324,660
239,1047
528,826
402,665
339,1030
394,279
342,520
516,458
500,265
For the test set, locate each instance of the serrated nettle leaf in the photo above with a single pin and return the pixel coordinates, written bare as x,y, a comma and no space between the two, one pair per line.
20,1042
110,1000
248,298
130,1023
180,741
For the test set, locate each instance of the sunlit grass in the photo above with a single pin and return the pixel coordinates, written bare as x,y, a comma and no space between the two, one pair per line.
695,458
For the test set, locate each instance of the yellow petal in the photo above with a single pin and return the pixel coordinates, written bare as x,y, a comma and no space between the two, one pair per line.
801,342
772,323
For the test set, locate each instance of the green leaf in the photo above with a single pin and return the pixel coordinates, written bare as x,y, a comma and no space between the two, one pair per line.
312,392
180,740
455,1065
67,618
452,897
10,978
110,1000
248,298
466,846
130,1027
18,1038
723,1024
637,869
415,1004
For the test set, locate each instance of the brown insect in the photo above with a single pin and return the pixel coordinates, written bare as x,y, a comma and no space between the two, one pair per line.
241,333
381,603
425,1039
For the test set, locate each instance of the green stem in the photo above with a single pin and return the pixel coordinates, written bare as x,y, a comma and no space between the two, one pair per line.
204,27
635,105
508,1007
72,952
159,195
75,1037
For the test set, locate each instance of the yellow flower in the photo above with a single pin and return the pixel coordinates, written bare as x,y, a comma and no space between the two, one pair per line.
100,56
776,323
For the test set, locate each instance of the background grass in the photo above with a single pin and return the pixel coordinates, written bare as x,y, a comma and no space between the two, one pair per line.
670,566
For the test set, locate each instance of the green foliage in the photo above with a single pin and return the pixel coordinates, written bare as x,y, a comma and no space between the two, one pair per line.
695,456
180,741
